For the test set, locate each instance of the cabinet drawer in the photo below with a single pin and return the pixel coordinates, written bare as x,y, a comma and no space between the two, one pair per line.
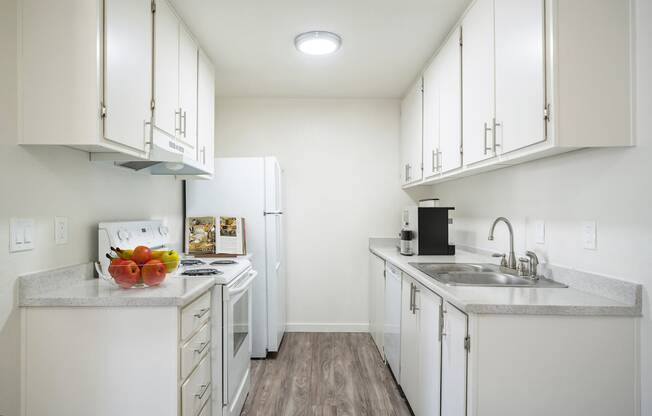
194,350
196,391
195,315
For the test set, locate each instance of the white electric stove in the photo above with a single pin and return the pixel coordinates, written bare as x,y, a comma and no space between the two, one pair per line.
230,323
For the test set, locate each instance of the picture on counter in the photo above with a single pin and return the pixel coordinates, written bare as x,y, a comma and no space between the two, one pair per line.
228,226
201,235
231,239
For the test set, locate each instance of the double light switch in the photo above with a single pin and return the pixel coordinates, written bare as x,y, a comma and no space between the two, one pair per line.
21,234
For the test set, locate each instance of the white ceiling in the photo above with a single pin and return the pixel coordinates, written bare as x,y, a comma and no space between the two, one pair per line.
384,44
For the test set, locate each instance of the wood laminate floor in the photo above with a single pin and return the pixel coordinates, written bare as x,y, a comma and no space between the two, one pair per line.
324,374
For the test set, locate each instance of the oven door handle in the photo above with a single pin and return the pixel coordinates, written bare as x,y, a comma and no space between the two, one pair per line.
244,286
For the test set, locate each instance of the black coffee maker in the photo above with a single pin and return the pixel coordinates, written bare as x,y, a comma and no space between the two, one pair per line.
429,230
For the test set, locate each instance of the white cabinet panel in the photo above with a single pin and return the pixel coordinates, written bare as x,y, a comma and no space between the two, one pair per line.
520,75
376,299
450,104
453,362
429,354
411,134
431,118
205,112
188,87
127,71
392,324
477,81
166,69
409,342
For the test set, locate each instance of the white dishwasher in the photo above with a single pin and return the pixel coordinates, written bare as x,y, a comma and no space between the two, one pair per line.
392,333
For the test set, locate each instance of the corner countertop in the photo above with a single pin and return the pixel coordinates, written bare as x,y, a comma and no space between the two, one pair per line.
587,294
76,286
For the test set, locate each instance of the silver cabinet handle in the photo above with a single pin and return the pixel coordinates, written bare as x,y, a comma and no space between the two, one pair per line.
414,302
202,392
434,157
493,139
202,312
486,129
439,160
202,348
184,124
177,113
406,172
409,172
442,320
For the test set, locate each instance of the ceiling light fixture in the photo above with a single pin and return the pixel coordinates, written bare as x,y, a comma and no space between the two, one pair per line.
317,42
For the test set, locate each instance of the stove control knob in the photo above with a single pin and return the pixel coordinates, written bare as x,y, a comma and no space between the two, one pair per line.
163,230
123,235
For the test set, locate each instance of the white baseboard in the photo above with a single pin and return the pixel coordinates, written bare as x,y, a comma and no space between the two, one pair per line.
326,327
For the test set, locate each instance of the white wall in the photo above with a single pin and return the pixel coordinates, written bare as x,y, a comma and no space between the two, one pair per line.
611,186
40,183
340,162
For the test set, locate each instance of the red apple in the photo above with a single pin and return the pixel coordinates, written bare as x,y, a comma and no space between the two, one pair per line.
153,272
127,274
141,255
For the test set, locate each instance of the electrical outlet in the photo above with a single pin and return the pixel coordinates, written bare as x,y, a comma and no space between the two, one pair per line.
539,232
60,230
589,235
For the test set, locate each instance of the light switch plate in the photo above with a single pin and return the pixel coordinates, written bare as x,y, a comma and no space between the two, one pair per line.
21,234
60,230
539,232
589,235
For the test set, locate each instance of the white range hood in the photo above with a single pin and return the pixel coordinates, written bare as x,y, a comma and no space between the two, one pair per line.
165,156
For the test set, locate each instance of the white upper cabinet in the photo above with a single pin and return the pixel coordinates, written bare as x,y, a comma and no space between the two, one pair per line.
166,77
188,87
127,71
205,112
520,73
412,134
431,117
532,72
90,87
478,82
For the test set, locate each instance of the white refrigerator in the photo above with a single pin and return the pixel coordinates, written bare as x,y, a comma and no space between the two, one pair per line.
251,188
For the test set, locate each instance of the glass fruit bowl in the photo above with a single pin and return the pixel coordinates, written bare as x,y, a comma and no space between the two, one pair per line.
138,268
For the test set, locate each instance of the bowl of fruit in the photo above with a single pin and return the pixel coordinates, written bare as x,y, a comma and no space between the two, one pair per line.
140,267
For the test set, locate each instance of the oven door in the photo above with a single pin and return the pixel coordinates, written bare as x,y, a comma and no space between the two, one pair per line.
237,336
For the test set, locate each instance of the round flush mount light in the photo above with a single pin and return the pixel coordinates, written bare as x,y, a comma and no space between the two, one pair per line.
317,42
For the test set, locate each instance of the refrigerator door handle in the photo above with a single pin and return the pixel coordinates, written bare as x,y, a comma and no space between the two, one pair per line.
273,213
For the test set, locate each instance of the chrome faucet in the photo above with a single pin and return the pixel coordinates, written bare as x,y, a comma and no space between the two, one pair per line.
529,265
511,258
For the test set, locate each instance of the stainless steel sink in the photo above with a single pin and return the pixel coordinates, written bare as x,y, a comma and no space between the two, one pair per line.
475,274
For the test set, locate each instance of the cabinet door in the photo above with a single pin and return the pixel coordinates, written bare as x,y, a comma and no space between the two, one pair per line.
377,299
392,320
450,107
520,73
127,71
453,362
478,81
188,87
411,134
429,353
166,69
431,119
205,112
409,343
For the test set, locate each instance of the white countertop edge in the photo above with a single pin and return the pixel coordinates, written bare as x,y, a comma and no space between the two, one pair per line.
602,307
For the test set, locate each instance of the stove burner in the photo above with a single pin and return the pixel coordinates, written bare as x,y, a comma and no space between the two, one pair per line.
225,261
191,262
201,272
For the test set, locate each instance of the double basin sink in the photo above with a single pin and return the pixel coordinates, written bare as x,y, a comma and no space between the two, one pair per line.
478,274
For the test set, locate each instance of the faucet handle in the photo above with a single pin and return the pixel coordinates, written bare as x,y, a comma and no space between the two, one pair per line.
503,261
523,266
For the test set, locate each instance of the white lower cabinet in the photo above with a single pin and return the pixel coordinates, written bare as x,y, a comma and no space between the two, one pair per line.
376,299
454,364
421,349
108,361
392,319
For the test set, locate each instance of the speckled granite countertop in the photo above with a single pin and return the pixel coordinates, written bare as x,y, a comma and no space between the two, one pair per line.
587,294
76,286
